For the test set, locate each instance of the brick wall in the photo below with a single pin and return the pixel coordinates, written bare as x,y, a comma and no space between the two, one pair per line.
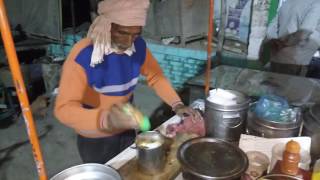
178,64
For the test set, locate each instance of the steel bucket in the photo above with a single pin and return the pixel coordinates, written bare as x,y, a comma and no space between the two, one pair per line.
227,122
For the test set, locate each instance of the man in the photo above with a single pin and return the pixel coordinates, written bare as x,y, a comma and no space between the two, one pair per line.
294,36
100,75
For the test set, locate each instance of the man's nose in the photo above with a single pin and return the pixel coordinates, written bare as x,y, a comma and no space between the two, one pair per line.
130,39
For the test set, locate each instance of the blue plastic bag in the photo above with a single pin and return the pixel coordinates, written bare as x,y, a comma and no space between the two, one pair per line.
275,108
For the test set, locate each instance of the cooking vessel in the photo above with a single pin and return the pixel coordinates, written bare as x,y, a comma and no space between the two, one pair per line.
227,122
271,129
211,159
89,171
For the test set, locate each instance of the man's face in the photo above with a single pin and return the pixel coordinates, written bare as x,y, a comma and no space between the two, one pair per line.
122,37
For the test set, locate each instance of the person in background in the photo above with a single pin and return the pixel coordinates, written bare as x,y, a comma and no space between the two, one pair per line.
100,75
294,36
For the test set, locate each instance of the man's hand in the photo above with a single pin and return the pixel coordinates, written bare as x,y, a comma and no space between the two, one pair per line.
183,111
277,44
295,38
117,120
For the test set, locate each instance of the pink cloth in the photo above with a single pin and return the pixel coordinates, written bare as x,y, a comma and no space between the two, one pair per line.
122,12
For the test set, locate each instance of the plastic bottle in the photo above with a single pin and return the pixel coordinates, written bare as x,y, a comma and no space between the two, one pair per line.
289,165
290,159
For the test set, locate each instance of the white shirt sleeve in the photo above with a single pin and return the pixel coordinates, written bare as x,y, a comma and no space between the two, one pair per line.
273,29
312,22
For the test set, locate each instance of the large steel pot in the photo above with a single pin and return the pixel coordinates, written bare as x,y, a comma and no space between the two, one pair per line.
89,171
271,129
209,158
227,122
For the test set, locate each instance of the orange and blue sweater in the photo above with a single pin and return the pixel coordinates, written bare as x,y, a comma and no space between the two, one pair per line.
111,82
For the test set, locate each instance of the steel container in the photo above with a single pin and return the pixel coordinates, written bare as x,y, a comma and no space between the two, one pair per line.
90,171
272,129
227,122
150,152
210,159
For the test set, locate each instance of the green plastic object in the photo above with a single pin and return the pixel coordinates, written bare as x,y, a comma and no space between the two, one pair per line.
273,10
126,110
145,124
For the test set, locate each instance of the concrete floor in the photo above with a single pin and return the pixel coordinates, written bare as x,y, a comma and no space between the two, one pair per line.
58,142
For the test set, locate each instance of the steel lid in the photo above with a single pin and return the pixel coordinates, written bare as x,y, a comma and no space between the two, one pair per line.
211,158
242,102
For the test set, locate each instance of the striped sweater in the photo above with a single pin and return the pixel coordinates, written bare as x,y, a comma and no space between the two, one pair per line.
113,81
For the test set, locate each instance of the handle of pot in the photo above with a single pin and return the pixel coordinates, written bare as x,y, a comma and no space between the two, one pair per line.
230,119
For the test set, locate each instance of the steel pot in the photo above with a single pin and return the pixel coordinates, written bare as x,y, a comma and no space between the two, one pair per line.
227,122
209,158
89,171
272,129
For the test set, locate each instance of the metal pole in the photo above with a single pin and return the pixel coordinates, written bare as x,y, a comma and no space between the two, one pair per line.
209,48
21,90
221,33
73,16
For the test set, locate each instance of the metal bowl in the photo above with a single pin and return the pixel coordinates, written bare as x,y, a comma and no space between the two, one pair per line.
90,171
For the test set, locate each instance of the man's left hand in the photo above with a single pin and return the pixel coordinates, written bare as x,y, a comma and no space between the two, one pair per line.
185,111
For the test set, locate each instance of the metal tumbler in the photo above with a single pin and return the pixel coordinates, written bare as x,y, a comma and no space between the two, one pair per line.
151,152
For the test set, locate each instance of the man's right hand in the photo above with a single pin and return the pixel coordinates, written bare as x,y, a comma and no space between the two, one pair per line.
295,38
117,120
277,44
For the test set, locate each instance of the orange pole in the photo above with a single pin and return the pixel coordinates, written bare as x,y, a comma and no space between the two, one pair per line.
209,48
21,90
